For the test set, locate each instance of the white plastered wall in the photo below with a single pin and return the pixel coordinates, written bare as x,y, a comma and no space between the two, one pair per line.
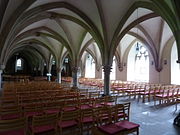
121,75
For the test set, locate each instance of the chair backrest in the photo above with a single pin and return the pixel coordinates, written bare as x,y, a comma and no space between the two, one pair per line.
69,115
99,100
29,108
46,119
95,94
87,112
14,124
127,109
103,115
10,112
117,110
85,101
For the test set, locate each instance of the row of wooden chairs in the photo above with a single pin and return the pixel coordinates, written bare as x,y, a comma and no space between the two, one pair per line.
128,88
161,93
29,109
20,86
166,96
76,120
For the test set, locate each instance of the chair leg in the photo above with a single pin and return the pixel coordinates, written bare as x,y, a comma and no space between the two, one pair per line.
139,96
137,131
149,97
143,98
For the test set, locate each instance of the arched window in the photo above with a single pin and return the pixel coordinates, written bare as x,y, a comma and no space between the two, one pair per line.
138,64
19,64
113,70
175,67
90,67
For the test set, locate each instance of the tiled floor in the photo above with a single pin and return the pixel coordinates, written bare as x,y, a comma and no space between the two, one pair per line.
153,120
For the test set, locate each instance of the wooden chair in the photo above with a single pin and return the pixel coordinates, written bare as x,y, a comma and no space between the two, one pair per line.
97,102
110,100
13,126
31,110
161,96
119,126
9,100
121,111
118,112
127,110
103,115
53,107
10,112
43,124
85,103
95,94
71,105
88,120
69,122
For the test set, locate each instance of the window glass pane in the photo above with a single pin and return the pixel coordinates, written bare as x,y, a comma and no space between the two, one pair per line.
175,67
18,63
90,67
138,64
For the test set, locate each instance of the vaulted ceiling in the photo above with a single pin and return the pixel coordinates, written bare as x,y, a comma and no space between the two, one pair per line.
70,27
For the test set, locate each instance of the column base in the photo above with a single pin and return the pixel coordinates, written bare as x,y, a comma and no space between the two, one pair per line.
1,92
103,95
74,88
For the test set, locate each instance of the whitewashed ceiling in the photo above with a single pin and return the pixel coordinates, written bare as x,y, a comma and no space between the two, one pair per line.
68,25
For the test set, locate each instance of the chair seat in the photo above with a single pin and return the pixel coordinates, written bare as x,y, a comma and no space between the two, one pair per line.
104,116
111,129
121,126
161,95
10,116
30,114
93,84
13,132
87,120
84,107
66,124
144,93
43,128
122,115
107,103
127,125
50,111
96,105
69,108
120,88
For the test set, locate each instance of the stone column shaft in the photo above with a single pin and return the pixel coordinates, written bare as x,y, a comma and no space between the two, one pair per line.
2,67
75,76
107,70
58,70
1,79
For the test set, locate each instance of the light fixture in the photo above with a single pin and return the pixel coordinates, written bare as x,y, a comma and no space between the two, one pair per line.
165,62
137,46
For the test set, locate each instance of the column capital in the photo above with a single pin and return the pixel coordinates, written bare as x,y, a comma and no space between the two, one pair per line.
107,68
2,67
178,61
120,66
75,69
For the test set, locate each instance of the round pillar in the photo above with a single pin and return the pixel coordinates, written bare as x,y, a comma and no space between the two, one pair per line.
75,76
107,71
